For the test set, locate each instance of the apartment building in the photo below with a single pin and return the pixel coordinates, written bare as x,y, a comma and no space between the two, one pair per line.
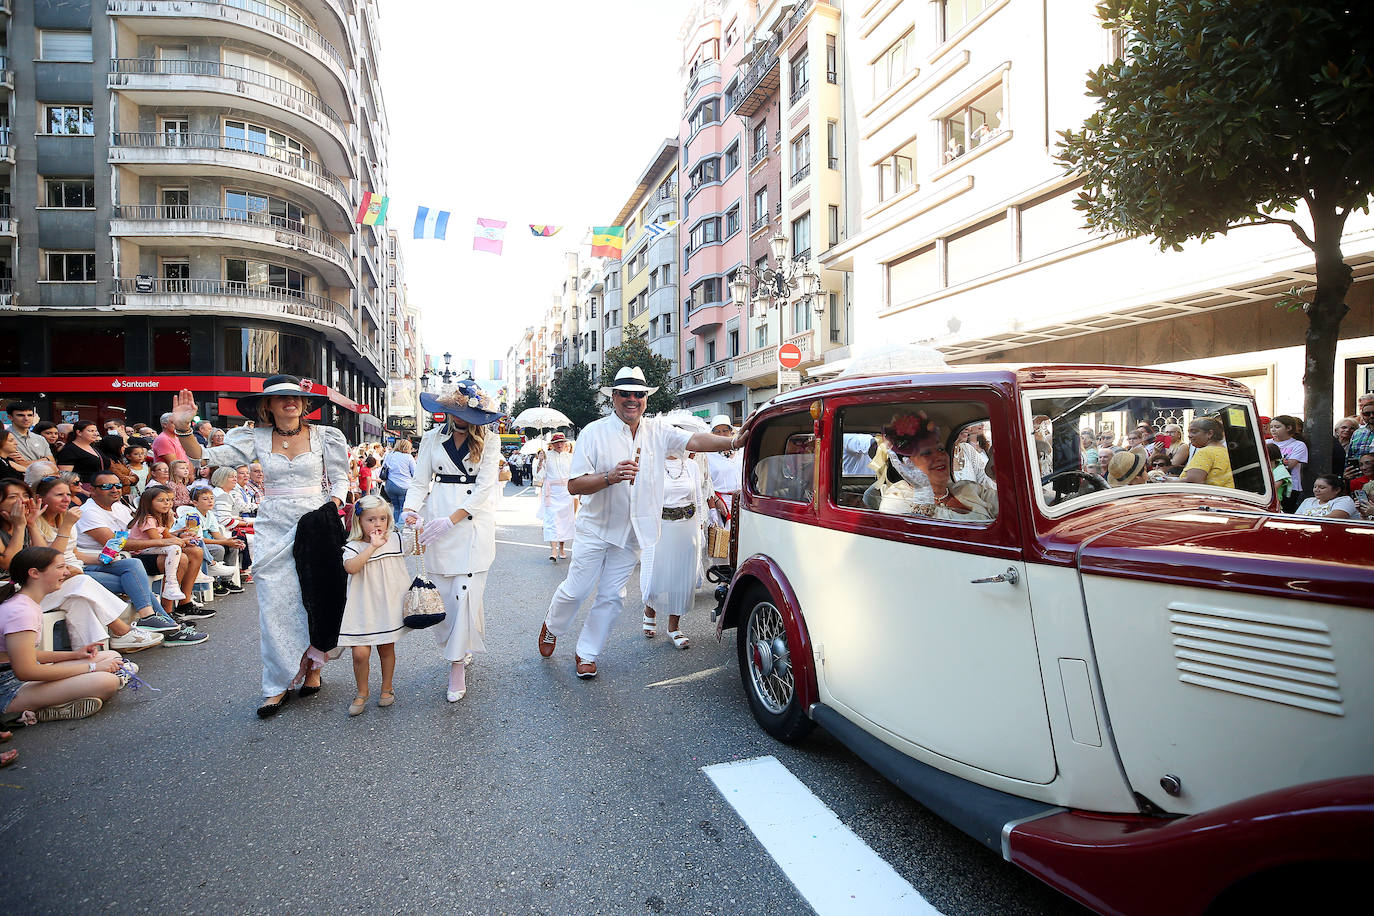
968,240
648,264
185,174
713,205
591,293
404,353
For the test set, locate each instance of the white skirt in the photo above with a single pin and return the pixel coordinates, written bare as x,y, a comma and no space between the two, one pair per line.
670,570
89,607
558,513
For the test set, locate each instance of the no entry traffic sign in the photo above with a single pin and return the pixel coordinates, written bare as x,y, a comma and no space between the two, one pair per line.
789,356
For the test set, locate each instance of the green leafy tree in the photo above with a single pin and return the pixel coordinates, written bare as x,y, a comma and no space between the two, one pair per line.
574,393
657,371
527,399
1228,114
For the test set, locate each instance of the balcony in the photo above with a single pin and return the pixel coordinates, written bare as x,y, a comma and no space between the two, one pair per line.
801,173
799,92
162,154
6,74
6,149
9,226
178,84
760,223
703,72
252,20
757,157
798,14
760,82
759,368
720,372
227,297
196,225
706,319
6,293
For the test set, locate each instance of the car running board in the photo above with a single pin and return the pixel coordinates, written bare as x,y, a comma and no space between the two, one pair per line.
985,814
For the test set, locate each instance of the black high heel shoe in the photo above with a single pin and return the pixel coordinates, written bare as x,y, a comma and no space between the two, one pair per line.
308,691
267,710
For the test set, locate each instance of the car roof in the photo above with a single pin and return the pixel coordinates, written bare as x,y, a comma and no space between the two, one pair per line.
1025,376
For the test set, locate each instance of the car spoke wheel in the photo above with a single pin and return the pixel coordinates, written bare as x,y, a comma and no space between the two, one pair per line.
766,668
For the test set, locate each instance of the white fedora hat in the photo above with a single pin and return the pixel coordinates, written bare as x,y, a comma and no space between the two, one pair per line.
721,420
629,378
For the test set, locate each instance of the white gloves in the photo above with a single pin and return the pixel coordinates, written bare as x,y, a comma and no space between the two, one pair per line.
435,530
410,517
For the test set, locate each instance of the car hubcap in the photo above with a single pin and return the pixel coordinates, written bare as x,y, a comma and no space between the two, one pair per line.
770,669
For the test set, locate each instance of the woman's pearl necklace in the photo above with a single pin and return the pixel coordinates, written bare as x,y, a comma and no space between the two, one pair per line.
682,468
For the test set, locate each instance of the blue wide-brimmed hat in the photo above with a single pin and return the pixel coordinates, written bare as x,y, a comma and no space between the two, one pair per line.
466,401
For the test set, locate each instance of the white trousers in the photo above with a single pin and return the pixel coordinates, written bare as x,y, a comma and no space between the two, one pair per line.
600,566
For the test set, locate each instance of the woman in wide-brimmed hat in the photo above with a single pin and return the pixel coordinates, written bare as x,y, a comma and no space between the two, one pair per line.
452,494
555,502
297,459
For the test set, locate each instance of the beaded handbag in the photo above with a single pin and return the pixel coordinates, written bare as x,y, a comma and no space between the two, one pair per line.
423,606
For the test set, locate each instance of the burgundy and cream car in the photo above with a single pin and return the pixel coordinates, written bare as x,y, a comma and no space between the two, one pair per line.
1146,687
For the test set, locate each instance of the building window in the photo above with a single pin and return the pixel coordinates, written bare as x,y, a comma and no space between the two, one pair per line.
732,158
171,350
667,323
69,119
81,348
265,351
832,61
894,64
835,332
708,112
70,193
653,327
69,266
958,13
978,250
1050,223
705,232
897,173
250,206
974,124
733,339
255,138
760,208
691,358
710,352
801,157
832,144
707,292
801,317
801,237
833,224
732,221
260,274
760,141
64,46
913,276
800,75
707,171
761,336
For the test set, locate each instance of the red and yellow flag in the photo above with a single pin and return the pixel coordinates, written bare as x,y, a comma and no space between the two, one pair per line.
372,210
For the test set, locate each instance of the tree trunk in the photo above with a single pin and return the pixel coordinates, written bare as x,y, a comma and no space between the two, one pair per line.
1324,317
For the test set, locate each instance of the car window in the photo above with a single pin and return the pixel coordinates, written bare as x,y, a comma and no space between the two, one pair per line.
928,459
785,460
1133,441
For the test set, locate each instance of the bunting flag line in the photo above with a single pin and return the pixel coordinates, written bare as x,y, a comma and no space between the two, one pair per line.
658,230
496,371
608,241
430,224
490,233
543,231
372,209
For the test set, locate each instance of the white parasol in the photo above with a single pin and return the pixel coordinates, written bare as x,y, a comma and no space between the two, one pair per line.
533,446
540,418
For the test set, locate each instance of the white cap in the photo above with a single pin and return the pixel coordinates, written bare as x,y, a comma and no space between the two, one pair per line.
721,420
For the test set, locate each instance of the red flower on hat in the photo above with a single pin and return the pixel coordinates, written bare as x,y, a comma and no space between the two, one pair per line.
307,385
908,425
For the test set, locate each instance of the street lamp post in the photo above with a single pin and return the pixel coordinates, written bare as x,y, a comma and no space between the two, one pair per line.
787,282
447,375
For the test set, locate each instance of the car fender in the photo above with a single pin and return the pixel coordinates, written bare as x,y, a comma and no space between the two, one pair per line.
764,571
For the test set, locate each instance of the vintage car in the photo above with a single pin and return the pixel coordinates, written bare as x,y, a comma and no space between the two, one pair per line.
1155,693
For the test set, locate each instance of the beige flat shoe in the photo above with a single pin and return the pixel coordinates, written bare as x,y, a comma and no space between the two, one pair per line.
386,699
358,705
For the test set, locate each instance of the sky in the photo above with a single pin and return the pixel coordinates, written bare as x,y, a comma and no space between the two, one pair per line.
543,111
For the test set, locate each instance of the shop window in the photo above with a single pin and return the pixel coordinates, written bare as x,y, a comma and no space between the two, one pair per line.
85,349
10,361
171,350
785,460
266,351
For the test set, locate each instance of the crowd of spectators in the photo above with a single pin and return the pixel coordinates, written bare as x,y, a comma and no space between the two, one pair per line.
125,529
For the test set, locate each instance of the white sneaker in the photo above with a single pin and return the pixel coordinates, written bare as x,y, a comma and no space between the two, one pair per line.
173,592
222,570
136,640
203,578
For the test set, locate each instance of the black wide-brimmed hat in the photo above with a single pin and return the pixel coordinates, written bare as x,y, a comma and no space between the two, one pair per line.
466,401
285,385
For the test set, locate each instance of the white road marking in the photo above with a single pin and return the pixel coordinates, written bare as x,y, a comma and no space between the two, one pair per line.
523,544
834,870
688,678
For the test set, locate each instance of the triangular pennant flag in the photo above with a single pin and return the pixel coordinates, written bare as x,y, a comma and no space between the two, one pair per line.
543,231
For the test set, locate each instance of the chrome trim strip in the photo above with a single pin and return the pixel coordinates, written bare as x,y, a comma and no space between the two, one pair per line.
1009,826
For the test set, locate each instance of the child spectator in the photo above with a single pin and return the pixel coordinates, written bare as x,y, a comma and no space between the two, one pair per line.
376,589
222,547
150,534
55,685
1283,480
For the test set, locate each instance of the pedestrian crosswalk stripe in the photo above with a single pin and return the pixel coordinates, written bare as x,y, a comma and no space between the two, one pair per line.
834,870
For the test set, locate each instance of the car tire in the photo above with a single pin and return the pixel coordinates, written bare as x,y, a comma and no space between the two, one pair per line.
766,670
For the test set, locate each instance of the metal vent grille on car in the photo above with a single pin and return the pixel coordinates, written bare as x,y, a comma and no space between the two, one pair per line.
1265,656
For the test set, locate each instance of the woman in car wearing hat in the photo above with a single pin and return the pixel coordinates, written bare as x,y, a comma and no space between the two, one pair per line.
452,495
555,502
296,458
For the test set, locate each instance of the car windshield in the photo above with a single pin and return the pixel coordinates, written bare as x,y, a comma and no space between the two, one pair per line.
1124,442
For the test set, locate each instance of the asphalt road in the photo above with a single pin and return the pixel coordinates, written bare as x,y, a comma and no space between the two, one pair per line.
538,793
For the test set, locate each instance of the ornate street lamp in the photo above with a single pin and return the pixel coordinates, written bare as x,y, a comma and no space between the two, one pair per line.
788,281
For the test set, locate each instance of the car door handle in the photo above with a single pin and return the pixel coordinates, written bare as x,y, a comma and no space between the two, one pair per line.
1011,577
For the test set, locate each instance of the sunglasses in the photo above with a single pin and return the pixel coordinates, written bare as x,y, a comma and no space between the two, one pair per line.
105,486
634,395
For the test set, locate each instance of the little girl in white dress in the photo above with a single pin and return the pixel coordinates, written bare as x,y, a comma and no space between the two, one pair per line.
377,586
